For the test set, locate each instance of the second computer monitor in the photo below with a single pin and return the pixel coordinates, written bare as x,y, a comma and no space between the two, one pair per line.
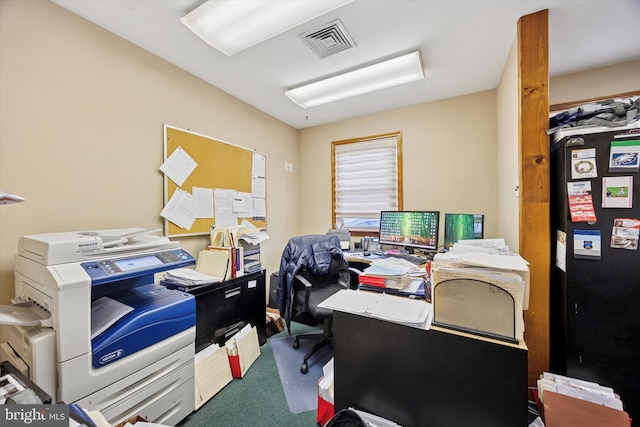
412,229
462,227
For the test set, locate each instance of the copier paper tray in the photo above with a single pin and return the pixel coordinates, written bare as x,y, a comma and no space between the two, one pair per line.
158,313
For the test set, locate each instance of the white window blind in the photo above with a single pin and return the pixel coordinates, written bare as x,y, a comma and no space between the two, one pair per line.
365,178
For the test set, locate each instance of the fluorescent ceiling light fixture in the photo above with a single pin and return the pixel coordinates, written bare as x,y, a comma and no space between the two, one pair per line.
392,72
234,25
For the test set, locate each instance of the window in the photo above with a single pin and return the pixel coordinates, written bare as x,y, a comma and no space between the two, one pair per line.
366,179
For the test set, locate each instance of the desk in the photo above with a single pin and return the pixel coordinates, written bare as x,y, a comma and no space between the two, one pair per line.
430,378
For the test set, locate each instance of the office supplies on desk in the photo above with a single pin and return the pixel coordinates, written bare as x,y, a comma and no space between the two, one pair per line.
415,289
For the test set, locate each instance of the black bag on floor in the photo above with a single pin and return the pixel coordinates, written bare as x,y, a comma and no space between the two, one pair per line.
346,418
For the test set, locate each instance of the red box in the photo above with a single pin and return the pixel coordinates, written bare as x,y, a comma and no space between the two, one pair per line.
325,411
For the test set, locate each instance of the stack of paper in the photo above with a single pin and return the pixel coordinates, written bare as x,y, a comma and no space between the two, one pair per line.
580,389
572,402
480,292
189,277
393,273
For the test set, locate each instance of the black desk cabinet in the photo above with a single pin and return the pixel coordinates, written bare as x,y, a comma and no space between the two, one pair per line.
222,309
430,378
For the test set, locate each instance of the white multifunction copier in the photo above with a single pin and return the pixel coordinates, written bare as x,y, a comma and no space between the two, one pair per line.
91,326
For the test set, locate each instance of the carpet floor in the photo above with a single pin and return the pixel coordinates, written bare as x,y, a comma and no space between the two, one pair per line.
258,399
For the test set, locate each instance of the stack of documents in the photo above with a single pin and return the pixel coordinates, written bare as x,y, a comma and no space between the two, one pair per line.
465,293
382,306
189,277
488,246
393,273
572,402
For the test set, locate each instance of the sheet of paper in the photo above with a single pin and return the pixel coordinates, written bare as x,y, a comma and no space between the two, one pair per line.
178,166
259,208
179,209
258,173
105,312
223,200
243,204
226,218
202,202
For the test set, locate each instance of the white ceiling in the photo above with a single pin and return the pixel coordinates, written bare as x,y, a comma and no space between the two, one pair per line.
464,45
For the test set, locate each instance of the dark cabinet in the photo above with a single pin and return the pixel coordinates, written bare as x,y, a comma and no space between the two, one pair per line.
222,309
595,300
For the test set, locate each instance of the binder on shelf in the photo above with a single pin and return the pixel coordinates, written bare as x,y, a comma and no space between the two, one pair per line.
242,350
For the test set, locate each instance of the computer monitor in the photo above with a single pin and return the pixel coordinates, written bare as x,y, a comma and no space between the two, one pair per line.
411,229
458,226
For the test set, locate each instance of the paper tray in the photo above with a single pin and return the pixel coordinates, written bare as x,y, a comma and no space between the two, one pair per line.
24,314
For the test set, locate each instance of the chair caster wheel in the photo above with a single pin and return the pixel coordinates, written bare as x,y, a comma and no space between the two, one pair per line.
296,344
304,368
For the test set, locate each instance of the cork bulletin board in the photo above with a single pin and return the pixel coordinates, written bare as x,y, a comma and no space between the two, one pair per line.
219,165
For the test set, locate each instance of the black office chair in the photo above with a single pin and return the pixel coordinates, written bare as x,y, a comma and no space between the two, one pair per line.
320,271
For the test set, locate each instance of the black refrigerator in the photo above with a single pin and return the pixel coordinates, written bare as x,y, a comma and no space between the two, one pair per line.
595,265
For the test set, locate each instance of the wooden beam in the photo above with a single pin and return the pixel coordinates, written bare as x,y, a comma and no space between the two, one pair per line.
534,223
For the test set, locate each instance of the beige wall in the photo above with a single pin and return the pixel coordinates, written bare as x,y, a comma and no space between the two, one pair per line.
595,83
81,134
508,167
449,159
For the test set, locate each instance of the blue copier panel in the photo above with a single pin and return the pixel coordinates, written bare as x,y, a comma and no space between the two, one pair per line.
158,313
118,269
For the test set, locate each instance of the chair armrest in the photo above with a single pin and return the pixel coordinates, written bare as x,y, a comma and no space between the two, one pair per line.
353,272
307,289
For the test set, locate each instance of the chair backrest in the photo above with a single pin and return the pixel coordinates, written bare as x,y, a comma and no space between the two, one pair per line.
335,274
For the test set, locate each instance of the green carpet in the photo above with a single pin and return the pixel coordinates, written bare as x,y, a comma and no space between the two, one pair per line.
257,400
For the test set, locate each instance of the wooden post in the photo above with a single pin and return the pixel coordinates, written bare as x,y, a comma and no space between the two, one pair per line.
534,223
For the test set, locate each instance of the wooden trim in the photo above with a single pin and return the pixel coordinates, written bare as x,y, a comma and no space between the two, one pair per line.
534,194
566,105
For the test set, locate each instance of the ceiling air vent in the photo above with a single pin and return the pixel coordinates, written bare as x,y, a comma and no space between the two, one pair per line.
328,39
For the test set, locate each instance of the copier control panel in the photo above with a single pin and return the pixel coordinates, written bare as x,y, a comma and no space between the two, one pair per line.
110,270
